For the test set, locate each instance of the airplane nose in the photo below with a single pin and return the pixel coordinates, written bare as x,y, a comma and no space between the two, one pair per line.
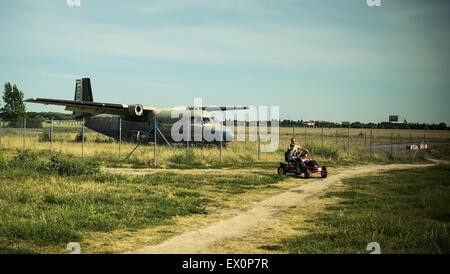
228,136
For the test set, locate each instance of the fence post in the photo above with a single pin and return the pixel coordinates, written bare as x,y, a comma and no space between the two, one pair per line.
187,141
221,139
293,131
348,140
370,143
82,140
392,136
51,135
120,135
305,134
220,149
259,143
24,134
322,143
187,150
424,139
398,142
336,138
365,142
154,150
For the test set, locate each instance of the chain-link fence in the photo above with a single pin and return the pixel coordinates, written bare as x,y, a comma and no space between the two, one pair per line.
72,137
353,142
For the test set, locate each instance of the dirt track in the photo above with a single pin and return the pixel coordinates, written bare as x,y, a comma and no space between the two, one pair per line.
436,161
146,171
201,240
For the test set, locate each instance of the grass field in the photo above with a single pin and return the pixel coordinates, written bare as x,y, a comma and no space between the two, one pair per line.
48,200
46,203
406,211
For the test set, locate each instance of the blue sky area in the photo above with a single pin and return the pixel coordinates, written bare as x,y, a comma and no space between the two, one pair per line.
318,59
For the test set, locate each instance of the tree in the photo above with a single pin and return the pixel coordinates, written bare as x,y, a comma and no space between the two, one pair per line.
442,126
14,107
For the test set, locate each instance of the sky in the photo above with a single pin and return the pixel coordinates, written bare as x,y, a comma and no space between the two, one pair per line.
317,60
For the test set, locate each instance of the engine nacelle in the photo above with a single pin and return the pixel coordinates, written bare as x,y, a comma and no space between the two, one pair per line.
136,110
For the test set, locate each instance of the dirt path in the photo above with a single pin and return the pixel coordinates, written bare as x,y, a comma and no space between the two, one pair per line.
146,171
437,162
202,240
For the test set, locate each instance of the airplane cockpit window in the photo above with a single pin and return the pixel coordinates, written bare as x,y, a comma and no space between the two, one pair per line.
206,120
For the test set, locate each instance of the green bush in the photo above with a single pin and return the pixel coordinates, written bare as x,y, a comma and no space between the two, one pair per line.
44,137
79,137
3,162
26,161
65,165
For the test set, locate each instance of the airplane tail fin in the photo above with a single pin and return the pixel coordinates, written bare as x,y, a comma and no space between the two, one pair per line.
83,90
83,93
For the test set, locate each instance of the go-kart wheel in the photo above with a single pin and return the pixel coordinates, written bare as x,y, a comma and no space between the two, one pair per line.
324,172
281,170
307,173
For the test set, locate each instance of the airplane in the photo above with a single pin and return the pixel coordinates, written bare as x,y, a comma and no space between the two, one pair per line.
137,121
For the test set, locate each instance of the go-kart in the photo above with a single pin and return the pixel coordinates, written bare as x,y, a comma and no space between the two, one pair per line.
310,166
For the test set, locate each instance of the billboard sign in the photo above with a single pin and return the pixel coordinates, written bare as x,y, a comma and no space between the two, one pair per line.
393,118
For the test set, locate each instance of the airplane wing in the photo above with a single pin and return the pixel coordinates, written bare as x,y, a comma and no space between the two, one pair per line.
92,107
219,108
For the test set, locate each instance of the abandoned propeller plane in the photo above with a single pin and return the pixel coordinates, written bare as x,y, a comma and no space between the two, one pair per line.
136,121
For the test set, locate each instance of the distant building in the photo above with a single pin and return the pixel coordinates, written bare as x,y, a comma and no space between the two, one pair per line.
310,124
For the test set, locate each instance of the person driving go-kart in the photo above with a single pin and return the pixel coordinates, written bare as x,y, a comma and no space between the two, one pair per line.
292,155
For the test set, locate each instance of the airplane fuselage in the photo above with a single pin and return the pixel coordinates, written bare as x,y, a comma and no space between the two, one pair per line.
140,130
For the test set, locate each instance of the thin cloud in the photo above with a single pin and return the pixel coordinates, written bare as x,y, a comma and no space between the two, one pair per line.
165,86
58,75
